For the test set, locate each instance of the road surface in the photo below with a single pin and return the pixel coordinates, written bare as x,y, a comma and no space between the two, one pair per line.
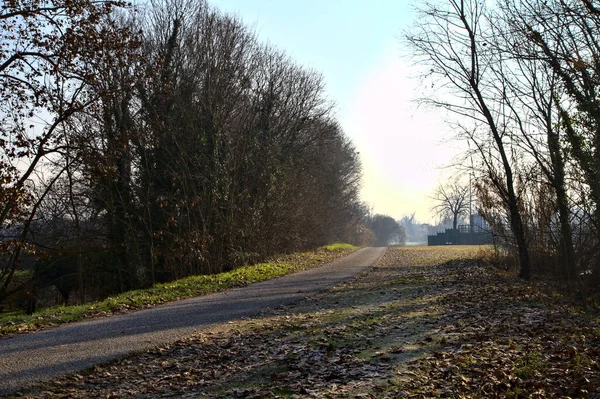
32,358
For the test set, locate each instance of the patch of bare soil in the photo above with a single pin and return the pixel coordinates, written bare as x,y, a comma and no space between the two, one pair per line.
426,322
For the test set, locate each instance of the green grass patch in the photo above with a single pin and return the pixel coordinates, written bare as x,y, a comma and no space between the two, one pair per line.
339,246
22,275
14,322
409,280
532,364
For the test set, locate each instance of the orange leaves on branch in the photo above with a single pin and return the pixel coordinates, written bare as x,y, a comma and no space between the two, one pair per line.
50,57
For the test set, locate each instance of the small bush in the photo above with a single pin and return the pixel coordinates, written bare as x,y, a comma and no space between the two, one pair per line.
338,247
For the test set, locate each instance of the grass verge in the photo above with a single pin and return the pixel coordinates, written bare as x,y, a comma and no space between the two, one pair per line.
339,246
15,323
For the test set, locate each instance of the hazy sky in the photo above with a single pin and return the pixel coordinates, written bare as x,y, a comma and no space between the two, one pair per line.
356,46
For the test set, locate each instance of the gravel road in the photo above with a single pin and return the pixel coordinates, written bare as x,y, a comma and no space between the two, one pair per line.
33,358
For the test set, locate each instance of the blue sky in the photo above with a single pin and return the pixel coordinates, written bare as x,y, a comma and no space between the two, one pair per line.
356,46
339,38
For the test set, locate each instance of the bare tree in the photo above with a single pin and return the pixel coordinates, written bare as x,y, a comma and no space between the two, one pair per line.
245,135
558,43
451,41
452,202
530,91
190,149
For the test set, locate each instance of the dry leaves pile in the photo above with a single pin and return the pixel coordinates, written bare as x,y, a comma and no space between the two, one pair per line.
424,323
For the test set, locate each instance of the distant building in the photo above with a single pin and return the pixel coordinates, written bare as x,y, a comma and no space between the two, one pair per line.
478,232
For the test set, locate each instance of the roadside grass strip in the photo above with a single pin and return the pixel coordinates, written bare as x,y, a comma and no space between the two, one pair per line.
19,322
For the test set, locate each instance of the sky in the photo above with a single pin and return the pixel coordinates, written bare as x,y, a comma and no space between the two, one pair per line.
356,45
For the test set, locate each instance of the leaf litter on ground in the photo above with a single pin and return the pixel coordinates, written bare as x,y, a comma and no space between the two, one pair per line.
424,323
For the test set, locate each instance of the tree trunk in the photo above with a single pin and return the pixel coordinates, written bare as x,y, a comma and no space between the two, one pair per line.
516,221
566,234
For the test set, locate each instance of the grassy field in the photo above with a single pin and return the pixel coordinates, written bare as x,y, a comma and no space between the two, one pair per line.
19,322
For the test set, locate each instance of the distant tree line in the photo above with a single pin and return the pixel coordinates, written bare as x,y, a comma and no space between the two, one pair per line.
386,230
522,77
140,147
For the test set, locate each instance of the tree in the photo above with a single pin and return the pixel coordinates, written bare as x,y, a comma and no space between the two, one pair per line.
558,41
189,148
387,231
528,94
48,50
453,201
240,156
415,231
451,41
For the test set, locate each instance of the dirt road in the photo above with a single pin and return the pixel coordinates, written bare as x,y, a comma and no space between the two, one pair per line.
31,358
